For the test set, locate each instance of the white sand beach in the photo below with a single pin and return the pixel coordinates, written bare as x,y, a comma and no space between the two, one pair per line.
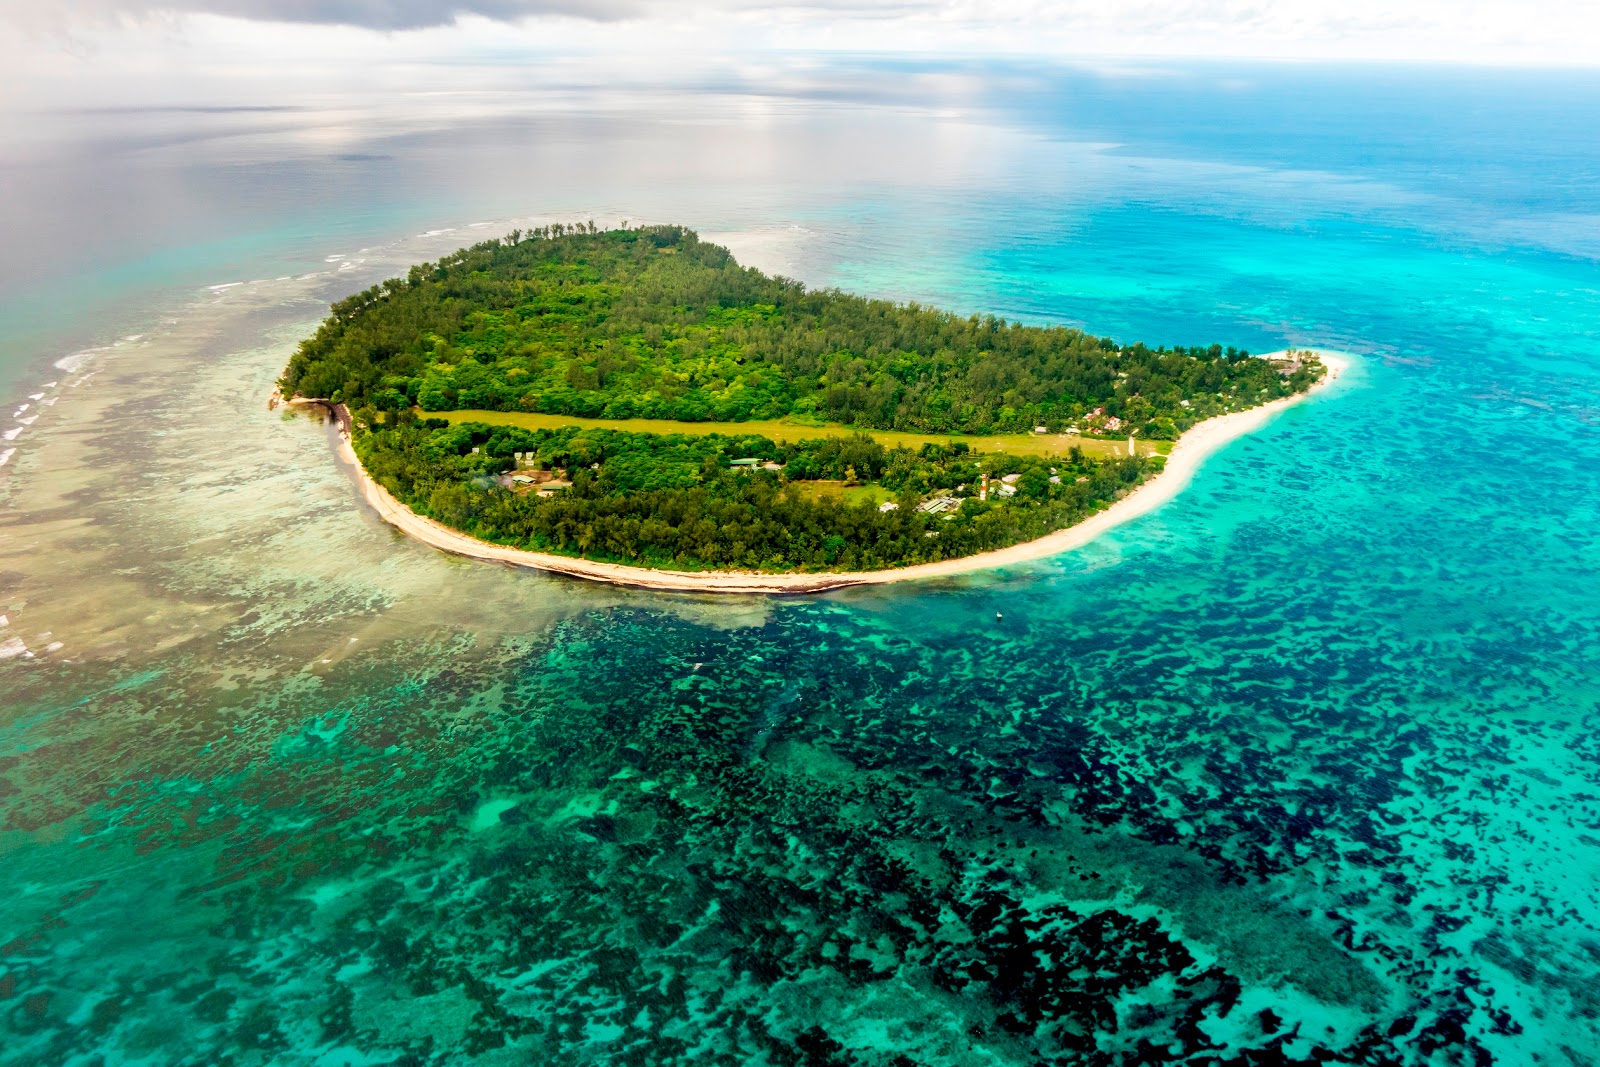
1192,450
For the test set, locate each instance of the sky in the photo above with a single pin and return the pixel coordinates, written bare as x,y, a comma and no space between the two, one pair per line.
87,52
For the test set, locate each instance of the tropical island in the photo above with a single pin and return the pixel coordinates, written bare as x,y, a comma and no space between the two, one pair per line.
633,404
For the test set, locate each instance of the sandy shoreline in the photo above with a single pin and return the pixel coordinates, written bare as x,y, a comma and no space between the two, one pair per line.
1192,449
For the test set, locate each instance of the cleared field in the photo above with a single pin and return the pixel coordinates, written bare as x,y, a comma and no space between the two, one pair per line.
871,493
1024,444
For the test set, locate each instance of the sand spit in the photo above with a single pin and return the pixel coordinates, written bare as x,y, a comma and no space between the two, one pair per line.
1192,449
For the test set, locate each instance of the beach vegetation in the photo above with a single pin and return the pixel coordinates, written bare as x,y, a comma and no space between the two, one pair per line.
678,501
637,396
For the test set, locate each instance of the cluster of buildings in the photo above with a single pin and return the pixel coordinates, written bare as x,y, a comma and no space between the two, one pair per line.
1289,363
545,483
1098,420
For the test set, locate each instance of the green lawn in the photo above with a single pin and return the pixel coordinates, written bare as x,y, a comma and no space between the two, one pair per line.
1024,444
870,493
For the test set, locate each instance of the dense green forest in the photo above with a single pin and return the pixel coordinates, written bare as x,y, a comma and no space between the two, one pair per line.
675,501
655,323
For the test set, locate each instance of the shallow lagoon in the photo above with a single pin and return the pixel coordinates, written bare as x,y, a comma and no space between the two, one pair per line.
1302,763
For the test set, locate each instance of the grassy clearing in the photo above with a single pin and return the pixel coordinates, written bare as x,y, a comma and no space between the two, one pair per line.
1022,444
870,493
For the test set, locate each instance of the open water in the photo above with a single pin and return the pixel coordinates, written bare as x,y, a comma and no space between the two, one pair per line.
1300,768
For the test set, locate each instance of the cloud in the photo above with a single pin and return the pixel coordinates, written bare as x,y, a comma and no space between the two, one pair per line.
369,14
1461,30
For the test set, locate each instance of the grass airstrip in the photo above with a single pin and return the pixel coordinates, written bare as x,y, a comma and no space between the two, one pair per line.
784,431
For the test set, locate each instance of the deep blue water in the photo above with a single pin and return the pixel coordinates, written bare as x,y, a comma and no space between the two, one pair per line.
1299,768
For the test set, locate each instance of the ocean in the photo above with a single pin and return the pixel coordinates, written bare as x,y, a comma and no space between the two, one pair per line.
1299,768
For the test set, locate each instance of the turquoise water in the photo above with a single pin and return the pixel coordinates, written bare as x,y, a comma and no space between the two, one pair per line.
1300,768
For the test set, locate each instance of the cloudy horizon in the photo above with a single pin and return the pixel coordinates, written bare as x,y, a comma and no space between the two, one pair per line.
1534,32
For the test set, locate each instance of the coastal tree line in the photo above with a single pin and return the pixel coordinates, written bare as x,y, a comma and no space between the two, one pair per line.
655,323
674,500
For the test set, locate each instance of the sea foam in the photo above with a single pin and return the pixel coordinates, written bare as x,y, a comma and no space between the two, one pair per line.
76,361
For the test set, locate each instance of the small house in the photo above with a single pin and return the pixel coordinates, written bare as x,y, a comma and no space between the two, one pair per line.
888,505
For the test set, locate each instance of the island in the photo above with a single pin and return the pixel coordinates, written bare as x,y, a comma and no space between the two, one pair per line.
634,406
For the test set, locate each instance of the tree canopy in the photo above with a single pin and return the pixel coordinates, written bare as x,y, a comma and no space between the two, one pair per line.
656,323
